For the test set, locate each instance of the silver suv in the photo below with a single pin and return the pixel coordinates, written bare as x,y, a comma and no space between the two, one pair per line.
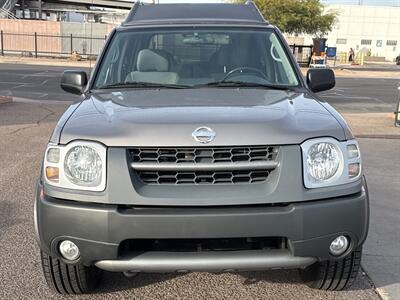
199,146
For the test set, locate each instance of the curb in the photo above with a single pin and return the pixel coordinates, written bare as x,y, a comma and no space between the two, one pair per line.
378,136
5,99
368,69
31,101
55,63
379,291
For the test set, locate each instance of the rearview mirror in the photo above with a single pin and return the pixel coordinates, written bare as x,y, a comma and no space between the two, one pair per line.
74,81
319,80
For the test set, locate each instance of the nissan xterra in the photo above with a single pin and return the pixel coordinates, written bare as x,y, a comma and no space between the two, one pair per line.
199,146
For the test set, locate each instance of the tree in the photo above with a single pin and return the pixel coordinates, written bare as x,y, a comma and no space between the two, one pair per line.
297,16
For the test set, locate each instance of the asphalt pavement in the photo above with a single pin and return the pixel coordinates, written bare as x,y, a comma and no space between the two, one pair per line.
361,95
25,126
41,83
24,131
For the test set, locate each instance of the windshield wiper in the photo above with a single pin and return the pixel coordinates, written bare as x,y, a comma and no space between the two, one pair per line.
140,84
222,83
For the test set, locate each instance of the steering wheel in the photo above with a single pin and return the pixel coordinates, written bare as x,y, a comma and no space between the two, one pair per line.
242,70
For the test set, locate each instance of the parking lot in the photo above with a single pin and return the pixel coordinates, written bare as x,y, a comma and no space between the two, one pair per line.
26,123
41,83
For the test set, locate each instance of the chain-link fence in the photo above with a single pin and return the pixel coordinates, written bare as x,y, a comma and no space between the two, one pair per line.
39,45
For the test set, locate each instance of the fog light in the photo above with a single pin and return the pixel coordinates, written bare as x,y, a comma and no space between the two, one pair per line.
69,250
339,245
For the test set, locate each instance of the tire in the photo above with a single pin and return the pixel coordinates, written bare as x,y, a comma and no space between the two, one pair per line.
333,275
68,279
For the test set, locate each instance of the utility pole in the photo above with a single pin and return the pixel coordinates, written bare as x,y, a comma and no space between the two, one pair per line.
23,9
40,9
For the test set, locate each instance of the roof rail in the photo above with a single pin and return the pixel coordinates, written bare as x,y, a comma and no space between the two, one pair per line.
133,11
186,13
255,7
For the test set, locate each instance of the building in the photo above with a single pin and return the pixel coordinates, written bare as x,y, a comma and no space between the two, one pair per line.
104,11
372,30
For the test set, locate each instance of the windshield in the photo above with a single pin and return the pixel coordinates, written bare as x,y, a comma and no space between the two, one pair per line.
189,58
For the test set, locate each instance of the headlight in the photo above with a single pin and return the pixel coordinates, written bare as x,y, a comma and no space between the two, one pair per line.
328,162
83,166
323,161
78,165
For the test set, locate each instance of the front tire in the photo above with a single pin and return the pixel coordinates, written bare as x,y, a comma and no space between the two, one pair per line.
68,279
333,275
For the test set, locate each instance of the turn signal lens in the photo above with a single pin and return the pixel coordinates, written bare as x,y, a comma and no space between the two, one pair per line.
354,170
52,174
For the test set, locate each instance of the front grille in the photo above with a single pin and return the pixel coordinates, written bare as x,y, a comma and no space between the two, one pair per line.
204,165
204,155
203,177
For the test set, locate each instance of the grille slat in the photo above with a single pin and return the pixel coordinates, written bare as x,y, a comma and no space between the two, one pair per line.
197,166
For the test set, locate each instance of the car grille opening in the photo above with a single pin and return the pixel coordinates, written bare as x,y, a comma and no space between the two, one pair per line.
200,245
205,177
200,166
204,155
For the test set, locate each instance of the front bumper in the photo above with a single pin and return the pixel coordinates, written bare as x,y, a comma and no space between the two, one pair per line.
99,229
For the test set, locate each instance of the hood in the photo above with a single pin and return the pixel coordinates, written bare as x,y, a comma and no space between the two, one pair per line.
167,117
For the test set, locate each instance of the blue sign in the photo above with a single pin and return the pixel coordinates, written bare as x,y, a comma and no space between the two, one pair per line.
331,51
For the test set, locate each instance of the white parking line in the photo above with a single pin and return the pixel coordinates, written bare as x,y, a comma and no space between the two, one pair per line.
13,82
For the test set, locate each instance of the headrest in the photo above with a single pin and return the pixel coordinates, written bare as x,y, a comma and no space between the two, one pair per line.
152,61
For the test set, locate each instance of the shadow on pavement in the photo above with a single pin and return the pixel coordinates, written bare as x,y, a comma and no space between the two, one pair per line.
115,282
8,215
291,277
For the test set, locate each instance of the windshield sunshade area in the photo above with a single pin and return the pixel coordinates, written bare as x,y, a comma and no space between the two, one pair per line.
189,58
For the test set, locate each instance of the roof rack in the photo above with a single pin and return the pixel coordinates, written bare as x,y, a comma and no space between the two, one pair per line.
142,13
133,11
251,2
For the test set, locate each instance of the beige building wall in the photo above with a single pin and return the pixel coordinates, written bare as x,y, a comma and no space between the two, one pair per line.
366,28
14,39
88,38
18,35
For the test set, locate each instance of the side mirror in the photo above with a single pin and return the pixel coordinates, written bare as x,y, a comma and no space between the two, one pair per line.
319,80
74,82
